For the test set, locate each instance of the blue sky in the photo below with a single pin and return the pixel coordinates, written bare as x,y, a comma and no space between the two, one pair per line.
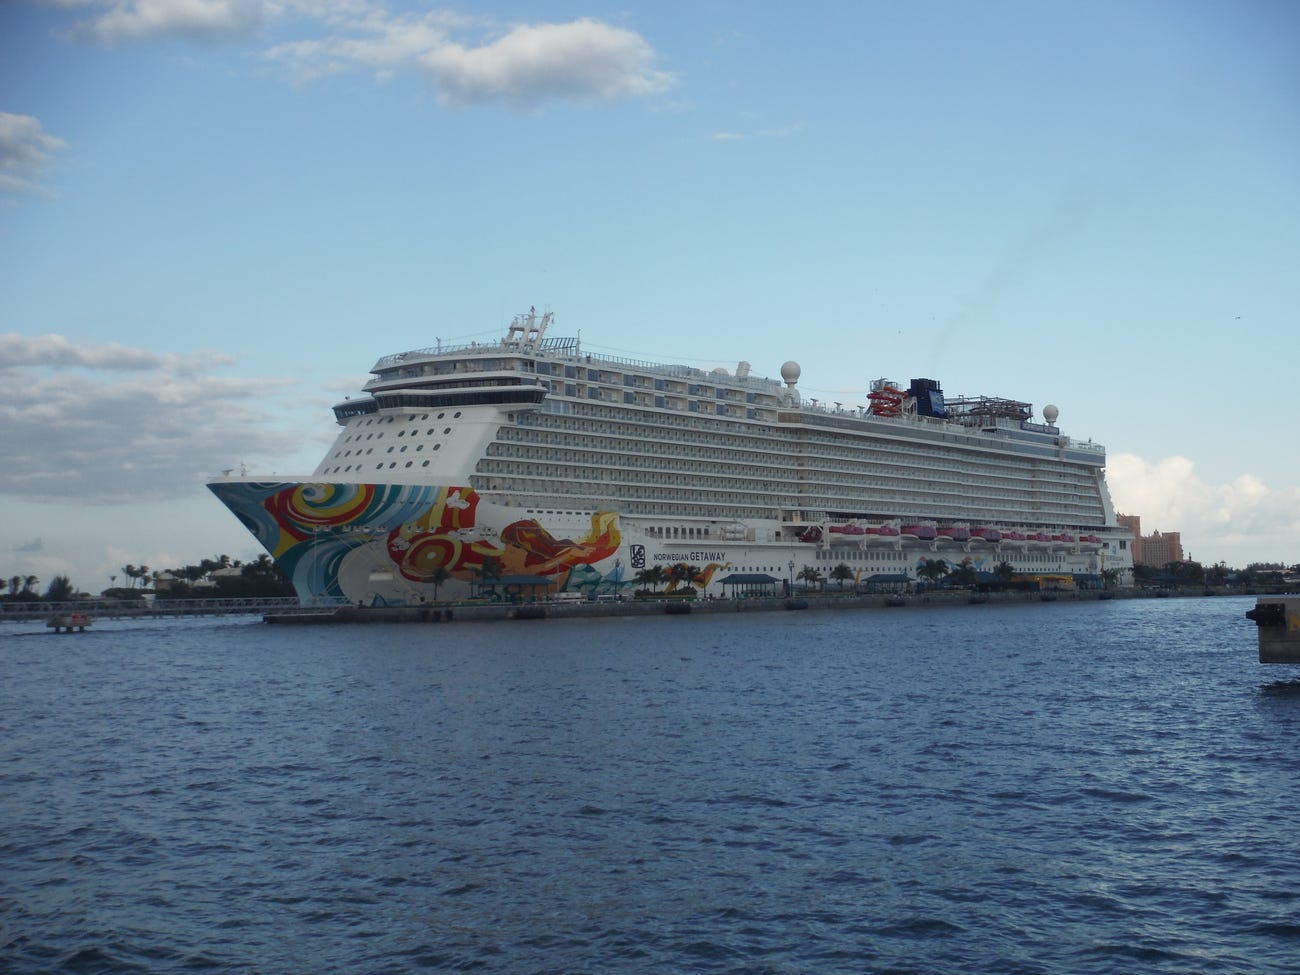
216,214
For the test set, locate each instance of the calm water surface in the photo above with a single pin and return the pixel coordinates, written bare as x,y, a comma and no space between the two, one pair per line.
1069,788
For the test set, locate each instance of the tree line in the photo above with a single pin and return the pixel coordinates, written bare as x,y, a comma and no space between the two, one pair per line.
207,577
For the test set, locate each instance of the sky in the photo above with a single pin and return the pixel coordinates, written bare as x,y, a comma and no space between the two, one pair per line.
215,215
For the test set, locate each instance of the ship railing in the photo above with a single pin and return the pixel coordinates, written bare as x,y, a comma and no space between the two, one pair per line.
568,350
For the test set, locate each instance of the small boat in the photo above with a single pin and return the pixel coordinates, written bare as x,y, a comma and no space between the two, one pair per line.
848,530
989,535
67,622
926,532
955,533
811,535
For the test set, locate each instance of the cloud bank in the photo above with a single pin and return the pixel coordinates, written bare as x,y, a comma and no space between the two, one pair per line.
468,60
26,151
1238,522
106,424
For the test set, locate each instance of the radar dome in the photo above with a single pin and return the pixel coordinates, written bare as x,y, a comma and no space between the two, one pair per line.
790,373
1050,413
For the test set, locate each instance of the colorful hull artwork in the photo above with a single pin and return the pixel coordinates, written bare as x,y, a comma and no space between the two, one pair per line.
348,543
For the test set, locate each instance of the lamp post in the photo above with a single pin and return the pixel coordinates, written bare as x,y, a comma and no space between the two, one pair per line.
789,582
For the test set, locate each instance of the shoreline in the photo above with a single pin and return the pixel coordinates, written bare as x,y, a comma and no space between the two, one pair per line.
812,602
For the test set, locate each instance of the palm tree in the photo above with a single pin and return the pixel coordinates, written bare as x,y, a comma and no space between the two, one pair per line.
682,572
647,578
932,570
438,576
811,576
30,583
841,572
15,585
964,574
1004,571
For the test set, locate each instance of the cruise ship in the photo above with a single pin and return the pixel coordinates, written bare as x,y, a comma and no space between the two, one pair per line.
530,468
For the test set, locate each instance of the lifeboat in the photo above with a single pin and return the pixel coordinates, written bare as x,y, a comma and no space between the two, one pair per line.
1090,539
955,533
1013,536
813,534
924,532
989,535
1040,538
848,530
881,534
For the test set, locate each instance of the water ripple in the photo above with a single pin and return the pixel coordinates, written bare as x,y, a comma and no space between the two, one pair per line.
1077,789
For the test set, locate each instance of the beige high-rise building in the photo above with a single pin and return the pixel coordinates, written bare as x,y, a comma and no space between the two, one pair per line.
1155,550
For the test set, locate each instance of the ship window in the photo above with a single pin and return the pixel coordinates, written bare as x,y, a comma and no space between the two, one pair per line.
441,415
456,415
437,446
447,430
409,463
425,464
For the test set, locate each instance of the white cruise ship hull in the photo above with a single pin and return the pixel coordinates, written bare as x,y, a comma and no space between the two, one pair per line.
408,544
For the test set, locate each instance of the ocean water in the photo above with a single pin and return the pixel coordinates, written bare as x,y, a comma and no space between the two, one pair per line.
1064,788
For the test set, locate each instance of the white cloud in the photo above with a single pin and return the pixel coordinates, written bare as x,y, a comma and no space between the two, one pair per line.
25,152
55,350
374,40
126,425
133,20
522,66
584,59
1239,521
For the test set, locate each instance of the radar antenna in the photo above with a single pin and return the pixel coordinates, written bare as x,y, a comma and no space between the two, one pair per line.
526,331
